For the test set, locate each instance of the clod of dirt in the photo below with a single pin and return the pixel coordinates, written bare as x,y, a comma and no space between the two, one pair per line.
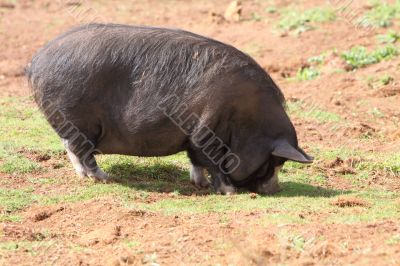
73,3
344,170
267,253
253,195
272,68
349,202
34,155
44,214
105,235
124,260
7,5
324,250
337,102
234,11
43,157
41,216
306,263
215,17
137,212
395,135
340,166
348,67
284,34
332,164
361,129
388,91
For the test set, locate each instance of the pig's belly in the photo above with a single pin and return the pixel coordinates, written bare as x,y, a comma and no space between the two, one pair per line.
151,142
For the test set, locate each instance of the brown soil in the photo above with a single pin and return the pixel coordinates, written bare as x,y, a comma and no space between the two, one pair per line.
102,228
97,232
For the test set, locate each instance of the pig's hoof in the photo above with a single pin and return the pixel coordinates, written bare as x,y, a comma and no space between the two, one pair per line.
226,189
197,177
99,175
81,173
201,184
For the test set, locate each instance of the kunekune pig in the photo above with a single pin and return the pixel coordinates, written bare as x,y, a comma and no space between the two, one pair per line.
146,91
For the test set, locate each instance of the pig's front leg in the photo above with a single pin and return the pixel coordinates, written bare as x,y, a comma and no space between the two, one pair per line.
271,186
197,177
222,184
85,166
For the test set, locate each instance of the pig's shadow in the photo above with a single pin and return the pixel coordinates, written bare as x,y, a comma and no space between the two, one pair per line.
168,177
296,189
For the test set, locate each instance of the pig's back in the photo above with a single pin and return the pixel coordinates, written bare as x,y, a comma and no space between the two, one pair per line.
107,61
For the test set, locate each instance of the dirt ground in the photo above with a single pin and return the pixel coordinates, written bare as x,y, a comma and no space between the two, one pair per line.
98,227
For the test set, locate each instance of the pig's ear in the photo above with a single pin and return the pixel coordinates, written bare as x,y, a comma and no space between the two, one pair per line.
285,150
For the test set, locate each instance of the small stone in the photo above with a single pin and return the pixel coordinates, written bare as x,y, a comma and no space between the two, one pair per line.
253,195
233,11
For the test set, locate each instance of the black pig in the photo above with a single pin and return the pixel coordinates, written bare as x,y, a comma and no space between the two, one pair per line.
144,91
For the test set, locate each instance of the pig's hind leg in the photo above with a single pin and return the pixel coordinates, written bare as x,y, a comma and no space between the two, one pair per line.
76,162
84,165
197,177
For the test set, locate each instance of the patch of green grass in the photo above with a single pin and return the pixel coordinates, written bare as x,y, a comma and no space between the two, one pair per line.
301,21
223,245
382,206
31,247
150,259
215,203
12,200
382,14
303,110
365,164
133,178
14,163
35,180
255,17
390,37
164,174
132,243
312,69
394,240
386,79
295,241
319,59
358,56
88,192
10,218
287,217
307,73
23,127
271,9
305,174
376,112
153,167
376,82
294,196
78,248
389,163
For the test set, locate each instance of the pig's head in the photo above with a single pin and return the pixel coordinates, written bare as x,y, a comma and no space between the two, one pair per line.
268,142
261,161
